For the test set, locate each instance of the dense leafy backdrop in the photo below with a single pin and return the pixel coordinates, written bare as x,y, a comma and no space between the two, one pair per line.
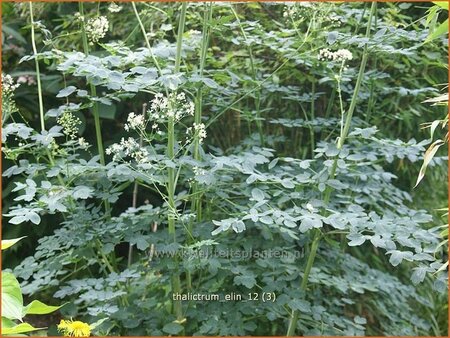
247,154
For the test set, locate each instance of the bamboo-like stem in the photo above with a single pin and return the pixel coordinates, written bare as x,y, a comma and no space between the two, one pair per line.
38,73
317,234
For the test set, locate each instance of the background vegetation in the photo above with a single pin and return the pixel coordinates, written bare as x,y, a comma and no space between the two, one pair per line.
143,141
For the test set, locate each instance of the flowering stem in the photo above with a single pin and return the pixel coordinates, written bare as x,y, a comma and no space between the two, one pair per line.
176,283
98,133
198,110
317,234
171,129
38,73
196,203
95,112
351,109
135,191
175,279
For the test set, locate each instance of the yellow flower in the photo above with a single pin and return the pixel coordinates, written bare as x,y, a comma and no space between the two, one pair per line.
76,328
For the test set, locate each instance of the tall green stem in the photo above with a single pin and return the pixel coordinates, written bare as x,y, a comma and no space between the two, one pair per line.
353,102
41,102
312,116
196,202
309,264
38,73
98,131
317,235
204,47
176,283
95,113
147,42
171,129
253,68
175,278
135,192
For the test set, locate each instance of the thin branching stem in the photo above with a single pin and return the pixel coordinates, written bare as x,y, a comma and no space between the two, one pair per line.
95,112
135,192
38,72
144,33
171,184
196,200
254,76
317,233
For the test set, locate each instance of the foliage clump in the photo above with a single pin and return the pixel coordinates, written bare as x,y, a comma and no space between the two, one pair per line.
261,150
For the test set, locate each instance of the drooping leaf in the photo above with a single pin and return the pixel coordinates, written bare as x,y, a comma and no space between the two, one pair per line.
12,301
19,329
36,307
441,30
7,243
429,154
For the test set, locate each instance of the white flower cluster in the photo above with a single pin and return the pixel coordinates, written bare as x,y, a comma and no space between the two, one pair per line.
306,4
83,143
335,20
310,207
198,171
114,8
199,131
70,124
8,84
78,17
340,55
8,88
289,11
96,28
135,122
174,106
28,79
297,10
128,148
